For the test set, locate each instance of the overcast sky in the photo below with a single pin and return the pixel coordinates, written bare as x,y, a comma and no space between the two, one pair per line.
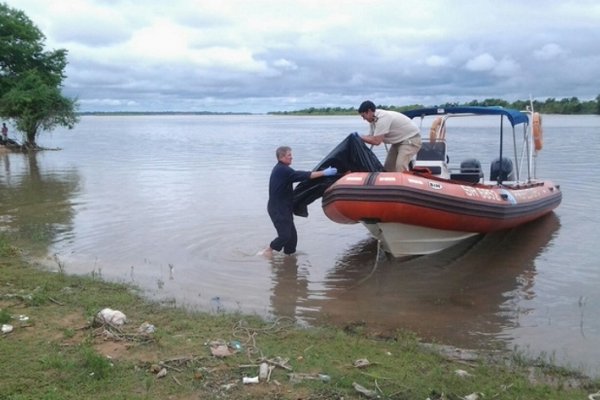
259,56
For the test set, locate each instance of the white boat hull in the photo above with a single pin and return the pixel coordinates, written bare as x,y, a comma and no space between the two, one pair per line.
409,240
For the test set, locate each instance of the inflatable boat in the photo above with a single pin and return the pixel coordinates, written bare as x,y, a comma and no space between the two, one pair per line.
435,205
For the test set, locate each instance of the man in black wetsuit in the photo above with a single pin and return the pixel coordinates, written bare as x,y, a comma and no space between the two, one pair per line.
281,200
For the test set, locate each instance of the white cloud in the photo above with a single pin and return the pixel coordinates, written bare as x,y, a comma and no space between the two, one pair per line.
437,61
163,40
192,53
483,62
548,52
108,102
285,64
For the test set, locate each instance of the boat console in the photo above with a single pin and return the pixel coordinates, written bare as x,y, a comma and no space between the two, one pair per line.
433,157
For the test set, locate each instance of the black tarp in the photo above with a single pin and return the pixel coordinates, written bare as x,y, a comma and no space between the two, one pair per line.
351,155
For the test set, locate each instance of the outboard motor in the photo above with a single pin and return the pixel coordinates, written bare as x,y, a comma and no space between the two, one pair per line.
470,166
502,170
470,171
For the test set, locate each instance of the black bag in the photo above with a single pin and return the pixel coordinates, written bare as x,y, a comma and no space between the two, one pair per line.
351,155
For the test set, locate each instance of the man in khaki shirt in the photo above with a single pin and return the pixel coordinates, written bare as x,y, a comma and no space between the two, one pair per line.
393,128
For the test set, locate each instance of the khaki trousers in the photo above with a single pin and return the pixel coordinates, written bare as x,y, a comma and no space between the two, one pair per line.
400,154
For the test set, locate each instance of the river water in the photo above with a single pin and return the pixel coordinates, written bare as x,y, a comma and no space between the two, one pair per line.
177,206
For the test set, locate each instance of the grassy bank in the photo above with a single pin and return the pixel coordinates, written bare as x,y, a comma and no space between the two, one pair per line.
58,350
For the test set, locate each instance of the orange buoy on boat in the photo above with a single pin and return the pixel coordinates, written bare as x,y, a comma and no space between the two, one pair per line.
538,133
437,130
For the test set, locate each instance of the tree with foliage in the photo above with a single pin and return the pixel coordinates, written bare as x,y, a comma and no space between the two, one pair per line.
31,78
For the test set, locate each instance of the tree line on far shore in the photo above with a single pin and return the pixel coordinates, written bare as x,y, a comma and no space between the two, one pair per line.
549,106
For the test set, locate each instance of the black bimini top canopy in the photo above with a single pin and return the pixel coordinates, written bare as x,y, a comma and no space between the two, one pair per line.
514,116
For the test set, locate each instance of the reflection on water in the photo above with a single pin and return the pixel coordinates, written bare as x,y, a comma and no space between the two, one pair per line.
290,287
464,295
35,206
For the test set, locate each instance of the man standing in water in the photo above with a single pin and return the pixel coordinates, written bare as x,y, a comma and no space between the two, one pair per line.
281,200
393,128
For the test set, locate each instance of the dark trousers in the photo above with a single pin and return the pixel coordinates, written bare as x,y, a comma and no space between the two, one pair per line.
287,237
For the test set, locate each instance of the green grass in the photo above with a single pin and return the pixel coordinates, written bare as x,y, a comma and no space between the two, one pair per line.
59,354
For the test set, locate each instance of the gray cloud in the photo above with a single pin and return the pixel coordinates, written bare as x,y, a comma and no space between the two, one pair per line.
260,56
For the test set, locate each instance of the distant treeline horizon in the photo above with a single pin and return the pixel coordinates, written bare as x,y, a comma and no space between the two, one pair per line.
549,106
